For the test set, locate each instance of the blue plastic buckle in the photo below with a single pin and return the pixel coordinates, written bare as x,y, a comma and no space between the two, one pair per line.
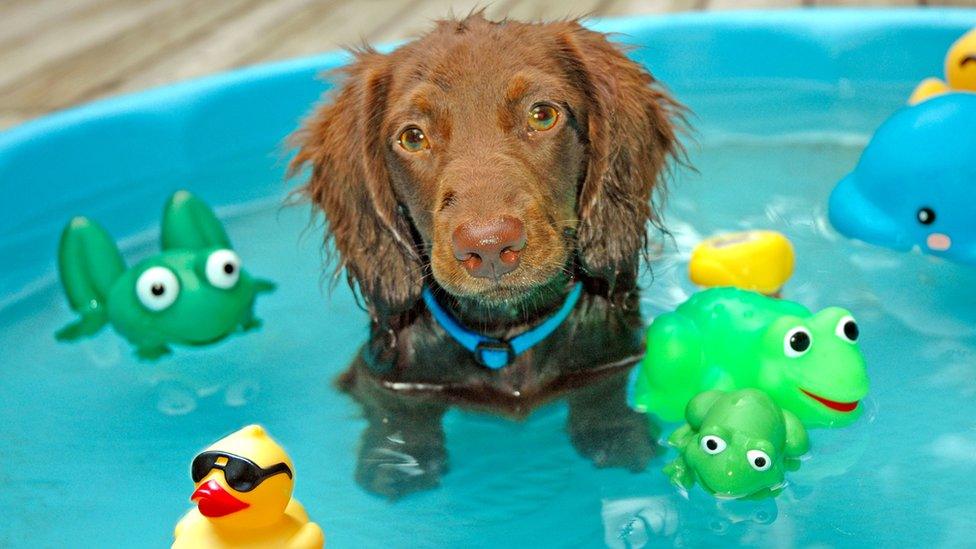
494,354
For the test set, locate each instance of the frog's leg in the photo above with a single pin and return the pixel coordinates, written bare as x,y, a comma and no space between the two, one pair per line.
89,263
680,436
679,473
670,374
699,406
797,441
765,493
262,286
152,352
189,223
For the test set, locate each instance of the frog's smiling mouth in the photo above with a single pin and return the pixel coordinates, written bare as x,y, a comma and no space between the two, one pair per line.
832,404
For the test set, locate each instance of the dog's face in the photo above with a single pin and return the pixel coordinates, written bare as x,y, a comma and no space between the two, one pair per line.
488,154
487,157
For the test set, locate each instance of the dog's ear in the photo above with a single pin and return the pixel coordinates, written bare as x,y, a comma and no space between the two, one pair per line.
630,132
343,144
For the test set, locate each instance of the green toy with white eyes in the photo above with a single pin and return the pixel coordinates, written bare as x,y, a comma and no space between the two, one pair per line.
729,339
737,445
192,293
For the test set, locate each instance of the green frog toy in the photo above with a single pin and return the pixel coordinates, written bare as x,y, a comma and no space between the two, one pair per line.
736,445
729,339
192,293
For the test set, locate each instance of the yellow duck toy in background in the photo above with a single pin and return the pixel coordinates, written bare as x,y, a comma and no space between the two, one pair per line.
760,261
243,494
960,71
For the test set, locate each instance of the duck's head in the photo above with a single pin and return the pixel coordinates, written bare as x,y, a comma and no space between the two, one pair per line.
961,63
244,480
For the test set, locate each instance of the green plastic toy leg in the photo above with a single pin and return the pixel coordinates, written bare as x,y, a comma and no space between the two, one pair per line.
189,223
680,474
152,352
89,263
85,326
671,373
263,286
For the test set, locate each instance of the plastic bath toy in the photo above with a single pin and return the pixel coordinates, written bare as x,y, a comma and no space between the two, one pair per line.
243,494
736,445
914,184
960,71
193,293
729,339
750,260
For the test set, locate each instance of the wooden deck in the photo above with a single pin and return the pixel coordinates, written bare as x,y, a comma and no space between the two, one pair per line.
58,53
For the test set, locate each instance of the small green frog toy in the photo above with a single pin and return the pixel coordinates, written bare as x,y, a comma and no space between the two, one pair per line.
729,339
736,445
192,293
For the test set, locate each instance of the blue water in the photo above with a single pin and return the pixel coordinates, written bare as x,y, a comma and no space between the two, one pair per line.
96,445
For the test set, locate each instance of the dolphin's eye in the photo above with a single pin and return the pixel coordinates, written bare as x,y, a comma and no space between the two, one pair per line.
925,216
797,342
712,444
967,60
157,288
847,329
223,269
759,460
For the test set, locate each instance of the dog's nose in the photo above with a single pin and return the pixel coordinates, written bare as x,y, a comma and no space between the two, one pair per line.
489,248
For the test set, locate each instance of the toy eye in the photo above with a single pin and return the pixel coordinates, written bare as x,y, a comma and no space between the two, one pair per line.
759,460
413,139
543,117
925,216
847,329
712,445
797,342
223,269
157,288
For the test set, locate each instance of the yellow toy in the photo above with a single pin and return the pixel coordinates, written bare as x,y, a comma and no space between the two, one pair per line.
761,261
960,71
243,495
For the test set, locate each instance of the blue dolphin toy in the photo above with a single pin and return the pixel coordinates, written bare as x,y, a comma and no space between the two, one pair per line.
915,185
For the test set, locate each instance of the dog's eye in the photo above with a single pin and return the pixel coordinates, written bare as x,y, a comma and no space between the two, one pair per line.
413,139
543,117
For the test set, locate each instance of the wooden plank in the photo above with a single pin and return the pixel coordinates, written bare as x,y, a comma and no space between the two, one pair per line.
219,50
50,43
21,19
89,72
867,3
752,4
632,7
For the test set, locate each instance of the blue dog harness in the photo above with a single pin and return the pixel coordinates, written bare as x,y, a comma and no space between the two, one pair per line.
498,353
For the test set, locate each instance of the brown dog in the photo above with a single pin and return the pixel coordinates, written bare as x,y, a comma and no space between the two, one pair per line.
499,164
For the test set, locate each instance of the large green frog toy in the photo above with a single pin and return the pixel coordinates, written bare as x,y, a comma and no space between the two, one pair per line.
192,293
729,339
736,445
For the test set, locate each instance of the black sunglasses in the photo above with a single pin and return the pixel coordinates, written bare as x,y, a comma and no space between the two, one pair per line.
240,473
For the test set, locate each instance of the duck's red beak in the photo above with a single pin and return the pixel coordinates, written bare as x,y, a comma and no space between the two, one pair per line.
213,501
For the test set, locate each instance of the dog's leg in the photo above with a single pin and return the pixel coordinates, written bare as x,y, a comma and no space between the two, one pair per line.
402,449
604,429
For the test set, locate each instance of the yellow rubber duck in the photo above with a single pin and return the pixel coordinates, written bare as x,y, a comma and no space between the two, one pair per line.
243,494
960,71
760,261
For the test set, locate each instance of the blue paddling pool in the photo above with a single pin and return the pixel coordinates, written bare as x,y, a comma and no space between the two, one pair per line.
96,445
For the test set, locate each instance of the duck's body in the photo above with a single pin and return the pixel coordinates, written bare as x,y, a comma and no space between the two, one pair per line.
960,72
761,261
294,531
